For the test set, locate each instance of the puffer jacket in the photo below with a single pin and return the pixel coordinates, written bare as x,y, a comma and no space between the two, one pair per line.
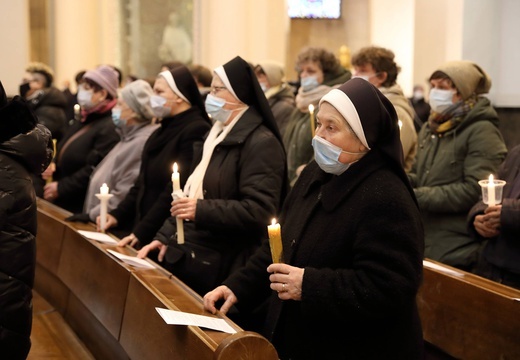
445,178
19,157
49,106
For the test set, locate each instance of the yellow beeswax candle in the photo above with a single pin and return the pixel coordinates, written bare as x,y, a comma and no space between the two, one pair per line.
275,241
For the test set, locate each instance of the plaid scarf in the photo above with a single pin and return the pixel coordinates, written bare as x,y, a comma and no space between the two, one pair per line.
452,117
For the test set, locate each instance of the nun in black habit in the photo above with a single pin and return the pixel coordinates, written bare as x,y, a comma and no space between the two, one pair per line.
352,243
236,188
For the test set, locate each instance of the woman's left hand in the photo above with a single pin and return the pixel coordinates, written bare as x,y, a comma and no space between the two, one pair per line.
184,208
286,280
50,191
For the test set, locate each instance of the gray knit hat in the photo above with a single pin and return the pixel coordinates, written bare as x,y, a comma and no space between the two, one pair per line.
137,96
467,77
273,71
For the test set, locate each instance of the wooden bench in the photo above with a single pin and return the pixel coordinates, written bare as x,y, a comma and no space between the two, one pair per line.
111,306
469,317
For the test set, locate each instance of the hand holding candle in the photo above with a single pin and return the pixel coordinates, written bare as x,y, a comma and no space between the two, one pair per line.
176,188
103,197
275,241
492,190
313,122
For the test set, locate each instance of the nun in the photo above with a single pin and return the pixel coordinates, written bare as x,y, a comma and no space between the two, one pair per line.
236,188
352,239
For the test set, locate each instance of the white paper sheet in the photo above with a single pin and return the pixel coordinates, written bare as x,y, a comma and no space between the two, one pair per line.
93,235
442,269
132,260
172,317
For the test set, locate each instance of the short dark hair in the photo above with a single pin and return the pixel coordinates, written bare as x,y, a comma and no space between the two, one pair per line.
201,74
381,59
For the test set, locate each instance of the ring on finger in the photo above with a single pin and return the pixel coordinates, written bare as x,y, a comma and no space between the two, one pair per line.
283,287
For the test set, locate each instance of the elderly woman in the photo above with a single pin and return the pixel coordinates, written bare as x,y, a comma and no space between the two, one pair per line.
458,146
85,143
319,71
352,243
183,123
237,187
120,168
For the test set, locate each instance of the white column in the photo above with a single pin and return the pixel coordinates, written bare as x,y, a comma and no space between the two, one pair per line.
14,37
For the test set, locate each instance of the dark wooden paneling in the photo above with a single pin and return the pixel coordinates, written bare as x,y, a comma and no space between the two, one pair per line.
96,278
470,317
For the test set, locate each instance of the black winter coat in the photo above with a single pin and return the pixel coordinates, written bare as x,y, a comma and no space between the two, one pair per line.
359,237
49,106
148,202
243,190
19,157
75,160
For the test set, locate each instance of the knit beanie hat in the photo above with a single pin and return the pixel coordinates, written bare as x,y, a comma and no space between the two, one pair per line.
467,77
137,96
16,116
106,77
273,71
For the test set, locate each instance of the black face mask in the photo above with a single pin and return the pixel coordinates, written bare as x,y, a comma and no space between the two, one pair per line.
24,89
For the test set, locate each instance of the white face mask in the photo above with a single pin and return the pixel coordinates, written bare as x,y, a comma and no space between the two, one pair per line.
441,100
85,98
157,103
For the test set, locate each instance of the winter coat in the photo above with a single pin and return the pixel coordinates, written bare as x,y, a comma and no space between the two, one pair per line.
445,178
504,250
75,160
148,202
405,113
282,105
242,192
119,169
359,238
49,106
19,157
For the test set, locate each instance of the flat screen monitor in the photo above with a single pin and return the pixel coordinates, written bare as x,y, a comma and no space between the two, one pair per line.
314,9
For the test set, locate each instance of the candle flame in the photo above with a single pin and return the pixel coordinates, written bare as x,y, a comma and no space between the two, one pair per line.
490,181
175,169
400,123
273,221
311,108
104,189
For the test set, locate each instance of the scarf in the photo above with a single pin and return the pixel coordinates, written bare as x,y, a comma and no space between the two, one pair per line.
218,132
100,108
304,99
452,117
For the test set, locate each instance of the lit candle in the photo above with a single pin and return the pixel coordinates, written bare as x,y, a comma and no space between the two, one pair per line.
275,241
77,113
400,123
311,115
103,197
54,142
491,191
177,187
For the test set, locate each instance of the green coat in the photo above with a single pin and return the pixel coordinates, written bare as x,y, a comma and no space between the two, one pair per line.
445,178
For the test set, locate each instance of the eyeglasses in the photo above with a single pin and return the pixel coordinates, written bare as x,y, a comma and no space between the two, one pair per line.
216,89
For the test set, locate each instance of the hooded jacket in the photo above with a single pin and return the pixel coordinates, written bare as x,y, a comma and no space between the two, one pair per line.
20,156
445,178
405,113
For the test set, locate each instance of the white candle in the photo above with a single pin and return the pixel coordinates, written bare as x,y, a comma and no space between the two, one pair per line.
311,115
103,197
176,182
491,191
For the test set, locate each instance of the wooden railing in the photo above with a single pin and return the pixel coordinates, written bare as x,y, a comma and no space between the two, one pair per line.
111,306
469,317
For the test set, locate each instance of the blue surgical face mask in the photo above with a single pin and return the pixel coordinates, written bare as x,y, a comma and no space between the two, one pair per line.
441,100
309,82
214,107
157,103
327,155
116,117
263,86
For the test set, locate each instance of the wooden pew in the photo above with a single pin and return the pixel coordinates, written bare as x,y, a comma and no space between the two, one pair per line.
111,306
469,317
